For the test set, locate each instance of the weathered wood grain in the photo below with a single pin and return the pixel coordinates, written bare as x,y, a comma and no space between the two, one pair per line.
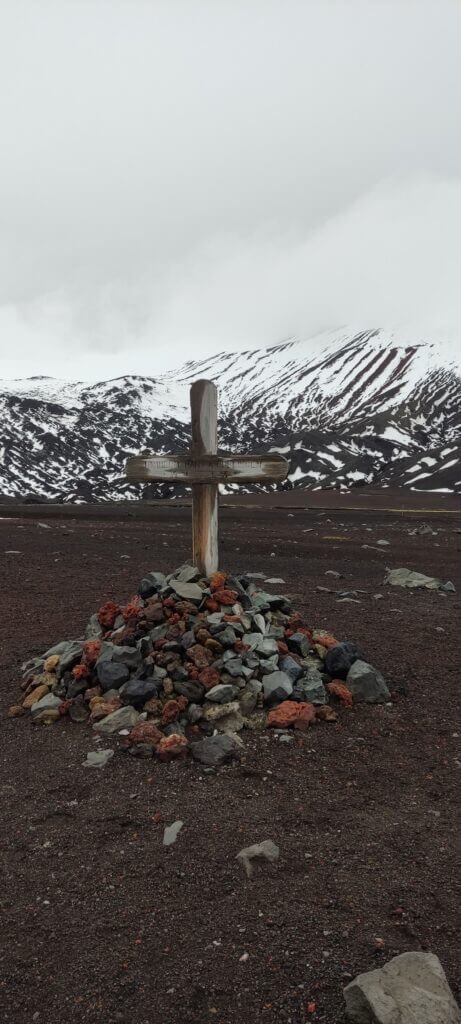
208,469
204,412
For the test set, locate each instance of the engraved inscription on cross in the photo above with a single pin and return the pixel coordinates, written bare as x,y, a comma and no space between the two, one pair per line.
204,470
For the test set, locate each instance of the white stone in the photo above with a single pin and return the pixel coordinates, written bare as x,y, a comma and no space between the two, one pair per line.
410,989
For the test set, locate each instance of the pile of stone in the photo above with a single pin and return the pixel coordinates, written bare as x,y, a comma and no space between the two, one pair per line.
189,662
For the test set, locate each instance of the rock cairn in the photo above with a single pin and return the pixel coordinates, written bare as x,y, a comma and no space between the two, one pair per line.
189,662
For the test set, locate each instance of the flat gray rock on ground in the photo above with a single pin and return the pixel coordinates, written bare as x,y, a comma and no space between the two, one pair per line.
410,989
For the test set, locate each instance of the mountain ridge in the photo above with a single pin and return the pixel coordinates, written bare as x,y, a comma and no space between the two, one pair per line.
370,407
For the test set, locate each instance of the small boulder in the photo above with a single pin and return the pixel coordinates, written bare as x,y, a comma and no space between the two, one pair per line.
290,714
339,659
310,688
266,849
111,676
367,684
222,693
214,751
123,718
292,668
410,988
299,644
188,591
277,686
137,691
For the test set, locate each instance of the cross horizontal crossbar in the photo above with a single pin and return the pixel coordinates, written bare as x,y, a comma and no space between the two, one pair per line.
208,469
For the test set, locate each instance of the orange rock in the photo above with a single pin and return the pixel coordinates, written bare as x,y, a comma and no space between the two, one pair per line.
132,609
224,596
171,710
171,747
211,605
288,714
50,664
80,671
145,732
35,695
208,677
329,642
91,650
217,580
107,614
338,689
15,711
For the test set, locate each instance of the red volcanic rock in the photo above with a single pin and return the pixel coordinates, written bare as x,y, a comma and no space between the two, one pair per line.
91,650
199,655
145,732
107,614
288,714
172,709
209,677
338,689
171,747
225,596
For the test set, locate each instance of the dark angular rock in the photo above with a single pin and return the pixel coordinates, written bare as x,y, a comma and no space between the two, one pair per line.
299,644
214,750
111,676
141,750
187,639
227,636
277,687
76,687
151,584
310,689
291,667
137,691
234,667
173,729
367,684
189,688
339,659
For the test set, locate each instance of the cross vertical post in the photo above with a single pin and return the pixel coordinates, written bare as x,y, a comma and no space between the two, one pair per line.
204,411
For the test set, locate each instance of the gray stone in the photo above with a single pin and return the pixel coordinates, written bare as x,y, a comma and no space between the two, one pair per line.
111,676
93,630
292,668
410,989
70,651
367,684
187,574
97,758
46,703
171,833
129,656
277,687
222,693
187,591
189,688
136,691
248,700
141,750
234,666
214,750
194,713
310,688
122,718
226,637
269,665
299,644
151,584
266,849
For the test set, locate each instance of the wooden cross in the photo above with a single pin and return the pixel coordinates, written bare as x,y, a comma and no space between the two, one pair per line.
204,469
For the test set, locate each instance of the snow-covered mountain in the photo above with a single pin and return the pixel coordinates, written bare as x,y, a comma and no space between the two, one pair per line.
346,408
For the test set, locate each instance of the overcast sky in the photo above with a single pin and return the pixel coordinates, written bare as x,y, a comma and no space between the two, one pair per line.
181,177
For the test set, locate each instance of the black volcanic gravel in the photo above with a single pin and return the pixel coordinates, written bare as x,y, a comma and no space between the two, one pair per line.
101,923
